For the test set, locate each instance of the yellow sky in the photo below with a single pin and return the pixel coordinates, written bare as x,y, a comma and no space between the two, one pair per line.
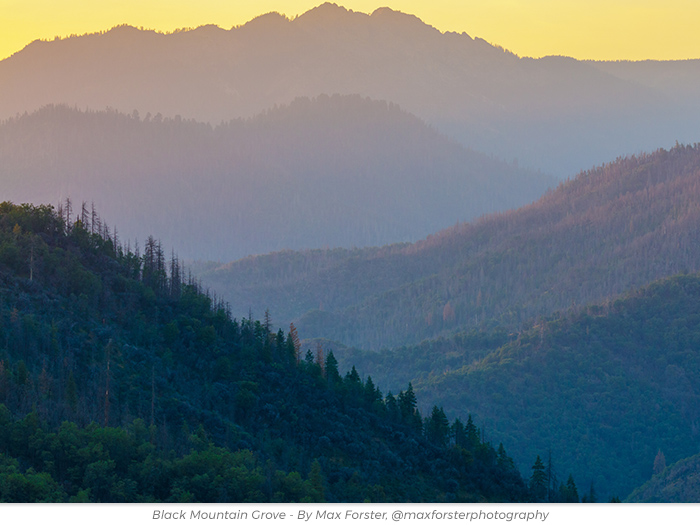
595,29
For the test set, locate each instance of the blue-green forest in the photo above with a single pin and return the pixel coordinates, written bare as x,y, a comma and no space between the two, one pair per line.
121,380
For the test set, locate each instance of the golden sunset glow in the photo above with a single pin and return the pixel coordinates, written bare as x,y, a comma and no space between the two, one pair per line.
590,29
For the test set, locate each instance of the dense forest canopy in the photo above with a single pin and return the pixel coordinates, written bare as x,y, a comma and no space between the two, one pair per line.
466,316
676,483
603,387
120,380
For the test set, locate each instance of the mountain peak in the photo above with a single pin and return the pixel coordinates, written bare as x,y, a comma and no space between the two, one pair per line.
328,14
401,21
328,7
124,28
324,12
271,18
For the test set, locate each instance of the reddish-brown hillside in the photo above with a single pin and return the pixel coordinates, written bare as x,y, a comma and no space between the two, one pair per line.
611,229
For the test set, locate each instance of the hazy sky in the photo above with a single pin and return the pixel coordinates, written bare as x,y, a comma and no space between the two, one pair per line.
597,29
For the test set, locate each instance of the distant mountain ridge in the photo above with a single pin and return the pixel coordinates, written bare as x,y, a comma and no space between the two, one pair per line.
609,230
555,114
329,171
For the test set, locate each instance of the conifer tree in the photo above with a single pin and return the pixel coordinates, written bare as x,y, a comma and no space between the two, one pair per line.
309,358
372,395
94,219
353,377
407,407
407,403
392,407
279,341
175,277
538,481
332,374
84,219
267,322
459,434
437,427
472,433
570,492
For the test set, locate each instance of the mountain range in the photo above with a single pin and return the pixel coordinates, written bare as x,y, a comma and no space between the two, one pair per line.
350,166
330,171
555,114
530,318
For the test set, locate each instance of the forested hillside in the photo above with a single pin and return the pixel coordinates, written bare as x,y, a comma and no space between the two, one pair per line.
677,483
121,381
324,172
609,230
604,387
386,292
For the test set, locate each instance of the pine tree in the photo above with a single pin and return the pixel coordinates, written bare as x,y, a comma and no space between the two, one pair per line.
267,320
175,277
84,218
371,394
570,492
407,403
291,349
472,433
538,481
332,374
279,342
94,219
309,358
353,378
392,407
459,434
69,212
437,427
407,407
